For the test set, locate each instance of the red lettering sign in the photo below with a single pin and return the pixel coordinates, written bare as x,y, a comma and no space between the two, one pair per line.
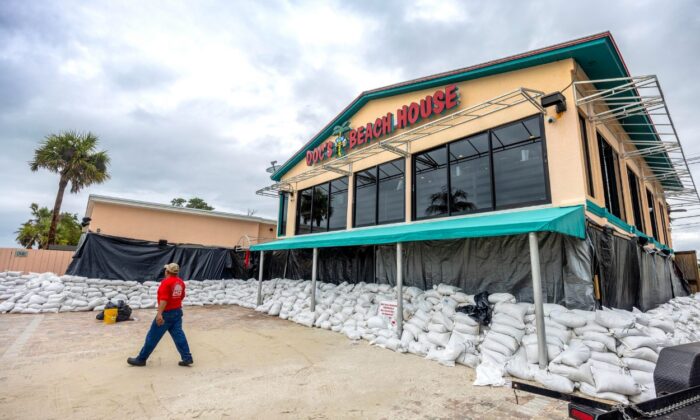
435,104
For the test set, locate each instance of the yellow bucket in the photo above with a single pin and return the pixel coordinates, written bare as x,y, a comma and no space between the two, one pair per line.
110,316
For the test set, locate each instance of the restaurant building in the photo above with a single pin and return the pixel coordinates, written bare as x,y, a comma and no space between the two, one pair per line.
549,174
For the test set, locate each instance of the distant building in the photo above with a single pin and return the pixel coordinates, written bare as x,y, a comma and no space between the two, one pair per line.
154,222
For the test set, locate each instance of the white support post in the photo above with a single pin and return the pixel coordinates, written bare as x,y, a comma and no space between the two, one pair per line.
399,288
314,270
542,355
260,277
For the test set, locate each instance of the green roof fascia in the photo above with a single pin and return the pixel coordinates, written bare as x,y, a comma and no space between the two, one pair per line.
565,220
616,221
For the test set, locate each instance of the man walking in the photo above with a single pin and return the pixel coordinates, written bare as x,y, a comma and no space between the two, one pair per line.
169,318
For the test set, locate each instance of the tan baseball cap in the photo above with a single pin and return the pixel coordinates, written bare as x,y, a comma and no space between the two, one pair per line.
172,267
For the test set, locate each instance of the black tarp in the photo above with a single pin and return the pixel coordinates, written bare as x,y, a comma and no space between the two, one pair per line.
631,275
110,257
496,264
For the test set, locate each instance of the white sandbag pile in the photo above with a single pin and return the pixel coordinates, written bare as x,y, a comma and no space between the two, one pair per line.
608,353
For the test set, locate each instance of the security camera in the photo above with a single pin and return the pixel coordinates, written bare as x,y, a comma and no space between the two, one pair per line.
551,120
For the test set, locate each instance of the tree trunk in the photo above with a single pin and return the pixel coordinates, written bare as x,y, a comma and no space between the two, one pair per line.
56,211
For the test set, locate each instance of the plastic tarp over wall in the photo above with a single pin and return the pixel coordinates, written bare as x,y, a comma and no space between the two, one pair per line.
498,264
632,276
110,257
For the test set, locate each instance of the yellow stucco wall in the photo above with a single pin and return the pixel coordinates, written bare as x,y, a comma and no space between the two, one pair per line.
153,225
565,159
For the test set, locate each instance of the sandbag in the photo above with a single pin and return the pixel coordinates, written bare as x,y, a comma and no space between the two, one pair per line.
554,382
610,381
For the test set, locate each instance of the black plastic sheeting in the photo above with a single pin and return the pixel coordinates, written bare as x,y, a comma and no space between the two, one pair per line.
633,276
110,257
497,264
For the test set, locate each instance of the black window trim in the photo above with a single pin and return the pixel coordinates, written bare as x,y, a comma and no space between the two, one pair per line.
328,220
494,207
376,195
588,165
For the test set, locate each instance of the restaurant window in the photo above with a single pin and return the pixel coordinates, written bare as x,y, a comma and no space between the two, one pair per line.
652,215
636,200
609,169
505,165
662,211
282,219
380,194
518,164
586,155
470,175
338,210
323,207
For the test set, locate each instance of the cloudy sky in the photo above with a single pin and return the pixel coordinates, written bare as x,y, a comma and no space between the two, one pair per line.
196,98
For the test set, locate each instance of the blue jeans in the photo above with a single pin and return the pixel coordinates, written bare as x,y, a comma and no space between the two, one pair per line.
173,325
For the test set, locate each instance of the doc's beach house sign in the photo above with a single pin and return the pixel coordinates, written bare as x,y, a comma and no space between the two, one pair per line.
348,138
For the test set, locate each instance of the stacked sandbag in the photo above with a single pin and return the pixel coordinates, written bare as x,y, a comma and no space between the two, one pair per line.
608,353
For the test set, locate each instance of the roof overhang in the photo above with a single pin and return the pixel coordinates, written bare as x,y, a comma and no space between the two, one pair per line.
565,220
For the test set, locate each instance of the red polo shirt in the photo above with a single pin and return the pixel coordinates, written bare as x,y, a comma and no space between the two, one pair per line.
172,290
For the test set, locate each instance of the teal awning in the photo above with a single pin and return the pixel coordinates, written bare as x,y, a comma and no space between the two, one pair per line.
566,220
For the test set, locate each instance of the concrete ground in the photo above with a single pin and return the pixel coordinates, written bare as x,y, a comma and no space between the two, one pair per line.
247,365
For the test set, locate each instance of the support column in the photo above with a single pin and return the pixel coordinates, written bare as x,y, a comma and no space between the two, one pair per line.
260,277
399,288
314,270
542,356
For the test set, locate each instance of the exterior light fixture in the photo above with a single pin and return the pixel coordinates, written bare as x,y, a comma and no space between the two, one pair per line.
554,99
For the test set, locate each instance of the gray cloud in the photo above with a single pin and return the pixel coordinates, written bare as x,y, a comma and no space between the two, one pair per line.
196,100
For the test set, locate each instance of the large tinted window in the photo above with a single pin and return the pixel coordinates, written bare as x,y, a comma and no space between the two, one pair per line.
431,197
366,198
586,155
652,215
636,200
304,212
518,164
470,175
506,164
380,194
609,169
323,207
319,208
391,197
338,210
282,222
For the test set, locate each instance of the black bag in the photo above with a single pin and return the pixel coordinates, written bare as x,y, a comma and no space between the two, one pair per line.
123,311
481,312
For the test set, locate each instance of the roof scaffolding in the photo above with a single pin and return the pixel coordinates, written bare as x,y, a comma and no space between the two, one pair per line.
637,106
400,143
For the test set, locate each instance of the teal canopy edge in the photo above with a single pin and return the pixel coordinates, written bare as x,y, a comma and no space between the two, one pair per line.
616,221
565,220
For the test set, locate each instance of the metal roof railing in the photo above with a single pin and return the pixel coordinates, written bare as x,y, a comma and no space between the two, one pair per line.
400,143
637,106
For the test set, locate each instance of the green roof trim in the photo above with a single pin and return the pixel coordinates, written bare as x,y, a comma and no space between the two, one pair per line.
597,55
616,221
565,220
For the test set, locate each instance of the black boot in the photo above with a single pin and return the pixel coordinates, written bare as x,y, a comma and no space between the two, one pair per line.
135,362
185,362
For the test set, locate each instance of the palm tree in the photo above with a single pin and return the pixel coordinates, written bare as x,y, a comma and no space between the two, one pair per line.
73,156
439,205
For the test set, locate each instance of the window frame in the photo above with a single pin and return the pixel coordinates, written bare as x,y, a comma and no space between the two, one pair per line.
375,169
637,210
588,168
492,174
282,216
618,177
328,219
651,209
